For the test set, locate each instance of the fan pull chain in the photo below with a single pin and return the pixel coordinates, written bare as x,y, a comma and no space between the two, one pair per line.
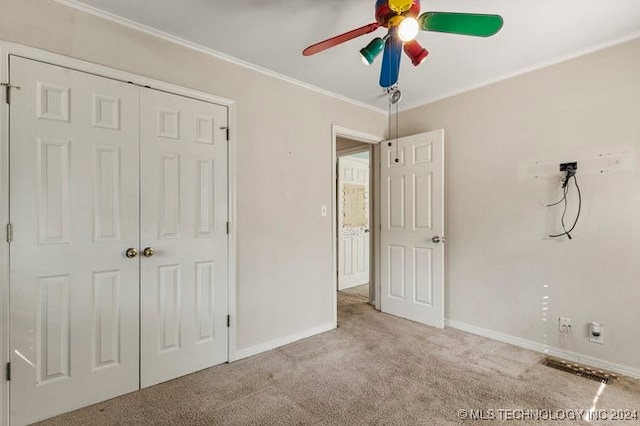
389,116
397,132
394,98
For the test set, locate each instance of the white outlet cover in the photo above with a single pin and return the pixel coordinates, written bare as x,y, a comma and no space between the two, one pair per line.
564,325
597,339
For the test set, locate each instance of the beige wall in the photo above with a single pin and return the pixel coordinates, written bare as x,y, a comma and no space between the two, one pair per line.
283,159
498,259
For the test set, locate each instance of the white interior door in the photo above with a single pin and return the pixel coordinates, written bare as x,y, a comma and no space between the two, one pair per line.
353,221
75,212
412,218
184,216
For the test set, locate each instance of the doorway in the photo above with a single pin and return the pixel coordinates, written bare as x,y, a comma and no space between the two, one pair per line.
406,197
345,143
353,203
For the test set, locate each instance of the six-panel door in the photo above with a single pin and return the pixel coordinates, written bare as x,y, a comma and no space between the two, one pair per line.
183,177
74,210
353,222
77,178
412,214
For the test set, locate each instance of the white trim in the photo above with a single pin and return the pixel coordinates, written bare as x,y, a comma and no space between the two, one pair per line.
359,136
208,51
7,49
273,344
4,249
233,231
108,72
545,349
544,64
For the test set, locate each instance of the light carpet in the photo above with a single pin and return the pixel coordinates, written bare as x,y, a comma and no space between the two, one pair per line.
375,369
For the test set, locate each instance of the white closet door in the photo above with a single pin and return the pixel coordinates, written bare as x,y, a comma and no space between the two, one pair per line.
184,215
74,210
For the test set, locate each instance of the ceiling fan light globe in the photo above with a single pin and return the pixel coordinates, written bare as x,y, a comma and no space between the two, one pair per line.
408,29
372,50
364,59
415,52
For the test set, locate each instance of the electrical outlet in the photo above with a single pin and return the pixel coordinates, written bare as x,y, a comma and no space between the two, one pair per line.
596,333
564,325
569,166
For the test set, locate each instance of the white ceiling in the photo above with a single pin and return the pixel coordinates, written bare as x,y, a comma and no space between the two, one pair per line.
271,34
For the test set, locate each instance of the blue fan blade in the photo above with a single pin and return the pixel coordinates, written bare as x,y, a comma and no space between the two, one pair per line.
391,62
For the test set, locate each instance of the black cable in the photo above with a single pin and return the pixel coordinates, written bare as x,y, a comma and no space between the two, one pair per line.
564,212
570,174
575,222
564,197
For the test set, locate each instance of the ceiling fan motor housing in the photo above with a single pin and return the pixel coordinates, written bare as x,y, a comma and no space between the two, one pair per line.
384,12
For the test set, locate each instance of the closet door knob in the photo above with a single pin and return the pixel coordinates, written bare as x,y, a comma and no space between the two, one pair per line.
148,251
131,253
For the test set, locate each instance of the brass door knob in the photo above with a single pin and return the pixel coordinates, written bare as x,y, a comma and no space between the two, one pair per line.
148,251
131,253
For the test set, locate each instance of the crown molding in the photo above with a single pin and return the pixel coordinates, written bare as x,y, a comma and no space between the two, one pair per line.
211,52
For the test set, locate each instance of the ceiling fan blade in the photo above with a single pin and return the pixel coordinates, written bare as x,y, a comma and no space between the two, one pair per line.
471,24
391,61
339,39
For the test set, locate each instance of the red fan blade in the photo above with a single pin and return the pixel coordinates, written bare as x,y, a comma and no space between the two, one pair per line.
339,39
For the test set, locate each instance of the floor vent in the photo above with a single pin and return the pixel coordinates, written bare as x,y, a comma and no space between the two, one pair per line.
579,370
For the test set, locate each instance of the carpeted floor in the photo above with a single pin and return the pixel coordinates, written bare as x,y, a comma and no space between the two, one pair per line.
375,369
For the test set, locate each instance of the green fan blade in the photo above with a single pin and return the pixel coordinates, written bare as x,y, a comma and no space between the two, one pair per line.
461,23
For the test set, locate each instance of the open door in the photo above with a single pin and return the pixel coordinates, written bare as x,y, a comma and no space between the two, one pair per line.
412,219
353,221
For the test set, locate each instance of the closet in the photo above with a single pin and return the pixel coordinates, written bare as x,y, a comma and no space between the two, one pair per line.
119,257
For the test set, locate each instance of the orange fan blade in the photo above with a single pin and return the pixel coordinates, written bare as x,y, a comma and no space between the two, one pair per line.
339,39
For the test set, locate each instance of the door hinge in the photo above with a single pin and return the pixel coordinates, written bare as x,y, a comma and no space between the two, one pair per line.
228,227
8,371
228,320
8,88
9,232
226,129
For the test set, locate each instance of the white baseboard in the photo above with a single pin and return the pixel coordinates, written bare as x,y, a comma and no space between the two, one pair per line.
542,348
267,346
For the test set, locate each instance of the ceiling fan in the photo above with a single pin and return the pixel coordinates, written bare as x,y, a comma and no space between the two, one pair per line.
403,21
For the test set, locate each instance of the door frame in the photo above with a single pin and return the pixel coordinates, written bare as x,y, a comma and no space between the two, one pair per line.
356,135
7,49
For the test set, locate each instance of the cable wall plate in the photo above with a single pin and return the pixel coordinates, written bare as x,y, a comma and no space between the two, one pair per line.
589,165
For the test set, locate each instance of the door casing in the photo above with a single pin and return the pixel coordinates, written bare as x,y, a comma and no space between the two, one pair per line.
7,49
